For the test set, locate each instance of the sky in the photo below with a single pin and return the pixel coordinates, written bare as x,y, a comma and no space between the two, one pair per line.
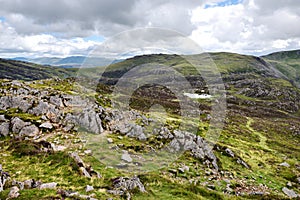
61,28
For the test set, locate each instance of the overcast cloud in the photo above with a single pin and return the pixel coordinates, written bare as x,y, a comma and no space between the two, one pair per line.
64,27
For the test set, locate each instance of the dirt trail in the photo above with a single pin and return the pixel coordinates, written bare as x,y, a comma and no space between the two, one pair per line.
262,138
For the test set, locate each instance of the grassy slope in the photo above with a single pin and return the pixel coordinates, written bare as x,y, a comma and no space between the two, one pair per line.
10,69
288,62
258,139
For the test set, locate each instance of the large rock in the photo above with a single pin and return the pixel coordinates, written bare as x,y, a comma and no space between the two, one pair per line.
289,193
74,101
48,186
31,183
4,129
4,176
57,101
20,102
126,157
41,109
163,132
123,185
29,131
129,129
199,148
91,121
136,131
18,124
229,152
85,170
13,193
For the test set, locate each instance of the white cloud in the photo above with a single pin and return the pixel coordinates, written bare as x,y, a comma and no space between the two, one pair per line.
54,27
248,27
15,45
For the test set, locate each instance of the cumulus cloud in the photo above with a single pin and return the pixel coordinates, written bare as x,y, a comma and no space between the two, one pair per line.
251,27
38,45
80,17
62,21
56,27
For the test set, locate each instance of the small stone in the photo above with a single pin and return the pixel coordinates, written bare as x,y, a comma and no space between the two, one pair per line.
284,164
173,171
85,172
109,140
126,157
289,184
13,193
89,188
122,165
28,184
298,179
229,152
46,125
226,181
88,152
229,190
2,118
289,193
183,169
211,187
43,117
19,184
58,147
48,186
207,173
120,137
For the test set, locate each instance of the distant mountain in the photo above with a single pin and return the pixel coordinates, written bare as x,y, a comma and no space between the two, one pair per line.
13,69
69,62
287,62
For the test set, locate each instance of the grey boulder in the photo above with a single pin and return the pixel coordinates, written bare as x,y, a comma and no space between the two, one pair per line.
30,131
4,129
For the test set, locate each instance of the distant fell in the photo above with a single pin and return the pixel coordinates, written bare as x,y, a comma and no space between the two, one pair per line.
288,63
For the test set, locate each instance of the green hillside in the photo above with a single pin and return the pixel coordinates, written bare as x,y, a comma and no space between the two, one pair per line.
288,62
45,128
18,70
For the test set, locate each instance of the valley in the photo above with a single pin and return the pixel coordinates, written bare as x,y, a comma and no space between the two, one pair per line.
85,134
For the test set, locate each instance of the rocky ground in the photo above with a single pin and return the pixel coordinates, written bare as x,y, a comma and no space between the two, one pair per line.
51,131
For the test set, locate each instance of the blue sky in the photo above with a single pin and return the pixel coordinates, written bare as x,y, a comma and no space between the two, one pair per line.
2,18
95,38
223,3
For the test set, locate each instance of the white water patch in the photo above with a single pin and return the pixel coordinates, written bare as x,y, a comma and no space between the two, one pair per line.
197,96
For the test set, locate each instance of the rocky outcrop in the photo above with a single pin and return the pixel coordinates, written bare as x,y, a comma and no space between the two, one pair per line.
18,102
74,195
52,107
85,170
29,131
287,99
228,152
123,186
